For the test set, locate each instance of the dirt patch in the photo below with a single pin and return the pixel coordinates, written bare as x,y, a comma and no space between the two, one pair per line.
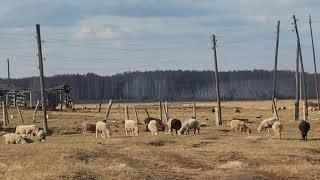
160,142
65,131
230,156
232,165
81,155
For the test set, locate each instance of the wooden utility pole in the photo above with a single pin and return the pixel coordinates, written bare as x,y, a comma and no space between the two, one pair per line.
101,97
314,64
108,110
297,76
303,81
218,120
42,84
166,113
8,64
276,65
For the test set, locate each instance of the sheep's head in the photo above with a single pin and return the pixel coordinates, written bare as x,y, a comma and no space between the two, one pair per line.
260,128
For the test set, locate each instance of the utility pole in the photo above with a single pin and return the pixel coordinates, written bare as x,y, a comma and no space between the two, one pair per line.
218,120
42,85
275,65
303,81
101,96
8,64
297,75
315,65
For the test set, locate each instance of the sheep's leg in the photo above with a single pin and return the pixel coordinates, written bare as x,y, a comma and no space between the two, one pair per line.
126,132
176,131
198,130
96,133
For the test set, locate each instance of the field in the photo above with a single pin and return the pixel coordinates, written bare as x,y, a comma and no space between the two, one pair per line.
215,154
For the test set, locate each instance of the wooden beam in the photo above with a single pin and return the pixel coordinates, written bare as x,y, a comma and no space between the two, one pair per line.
109,107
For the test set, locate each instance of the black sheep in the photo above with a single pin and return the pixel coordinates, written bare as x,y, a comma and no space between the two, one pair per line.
175,124
148,119
304,127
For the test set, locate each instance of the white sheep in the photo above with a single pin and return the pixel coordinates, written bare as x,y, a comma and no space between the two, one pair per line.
266,124
27,129
12,138
153,127
235,125
131,126
104,128
245,128
189,124
41,136
277,128
88,127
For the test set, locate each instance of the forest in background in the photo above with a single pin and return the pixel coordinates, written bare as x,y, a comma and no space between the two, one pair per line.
174,85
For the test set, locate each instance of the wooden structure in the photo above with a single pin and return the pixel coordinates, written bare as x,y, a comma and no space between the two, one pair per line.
13,95
59,95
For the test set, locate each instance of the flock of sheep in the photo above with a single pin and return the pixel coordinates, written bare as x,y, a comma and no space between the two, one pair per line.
30,133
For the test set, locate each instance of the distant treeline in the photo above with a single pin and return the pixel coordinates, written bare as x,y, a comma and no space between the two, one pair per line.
174,85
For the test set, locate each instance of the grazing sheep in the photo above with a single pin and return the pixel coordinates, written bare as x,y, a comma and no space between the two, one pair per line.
174,124
132,127
104,128
277,128
12,138
245,128
153,127
41,136
88,127
27,129
235,124
148,119
266,124
304,127
236,110
189,124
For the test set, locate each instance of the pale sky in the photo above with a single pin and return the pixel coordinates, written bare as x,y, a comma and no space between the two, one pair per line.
113,36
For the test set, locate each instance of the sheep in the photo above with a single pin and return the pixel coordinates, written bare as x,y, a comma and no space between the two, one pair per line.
153,127
266,124
235,124
304,127
277,128
12,138
148,119
132,127
104,128
189,124
27,129
174,124
236,110
41,136
88,127
245,128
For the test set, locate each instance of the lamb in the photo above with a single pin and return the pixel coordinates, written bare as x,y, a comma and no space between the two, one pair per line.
148,119
266,124
189,124
304,127
27,129
245,128
41,136
235,124
132,127
174,124
277,128
153,127
104,128
12,138
88,127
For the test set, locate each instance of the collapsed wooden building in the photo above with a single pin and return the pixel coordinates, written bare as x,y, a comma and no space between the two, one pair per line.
57,96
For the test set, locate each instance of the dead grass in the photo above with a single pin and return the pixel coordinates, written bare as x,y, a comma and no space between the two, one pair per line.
215,154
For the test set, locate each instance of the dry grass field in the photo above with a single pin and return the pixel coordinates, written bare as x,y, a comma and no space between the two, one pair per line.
215,154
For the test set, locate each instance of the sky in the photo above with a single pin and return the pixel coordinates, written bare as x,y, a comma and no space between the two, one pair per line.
115,36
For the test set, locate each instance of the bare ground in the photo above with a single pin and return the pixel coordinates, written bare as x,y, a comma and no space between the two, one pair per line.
215,154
